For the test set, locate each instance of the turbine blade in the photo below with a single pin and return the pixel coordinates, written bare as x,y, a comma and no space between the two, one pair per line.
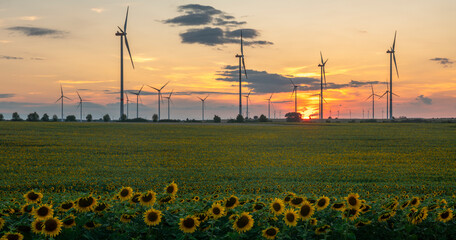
243,64
383,94
270,96
206,97
368,97
164,85
58,99
242,48
321,55
292,83
140,99
120,29
154,88
200,98
79,96
394,42
324,75
395,64
67,98
126,18
396,95
61,89
171,93
129,53
140,89
326,61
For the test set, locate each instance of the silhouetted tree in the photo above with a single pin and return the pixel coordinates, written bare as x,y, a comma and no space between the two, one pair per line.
1,117
45,118
293,117
70,118
155,118
106,118
123,118
33,117
89,117
55,118
217,119
255,117
239,118
16,117
263,118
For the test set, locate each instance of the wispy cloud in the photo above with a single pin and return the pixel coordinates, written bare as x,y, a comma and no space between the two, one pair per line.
7,95
443,61
10,57
423,99
97,10
38,31
29,18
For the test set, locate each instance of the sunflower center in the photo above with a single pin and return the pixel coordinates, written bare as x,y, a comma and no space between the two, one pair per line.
216,210
276,207
321,202
100,207
68,221
290,217
147,197
242,222
12,237
445,215
189,223
90,224
271,232
50,225
413,202
338,205
170,189
43,211
86,202
305,210
258,207
231,201
67,206
39,225
124,192
352,201
152,216
32,196
297,200
135,198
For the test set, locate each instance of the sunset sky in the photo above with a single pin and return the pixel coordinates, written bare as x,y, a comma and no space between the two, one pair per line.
193,45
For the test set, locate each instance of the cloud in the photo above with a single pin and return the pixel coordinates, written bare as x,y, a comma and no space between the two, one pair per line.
10,57
443,61
97,10
29,18
424,100
210,21
37,58
38,32
7,95
354,83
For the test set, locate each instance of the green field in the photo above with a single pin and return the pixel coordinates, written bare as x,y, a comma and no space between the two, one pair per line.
382,162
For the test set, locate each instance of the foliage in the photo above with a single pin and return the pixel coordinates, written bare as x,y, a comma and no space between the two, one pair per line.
106,118
1,117
89,117
70,118
45,118
55,118
239,118
217,119
123,118
16,117
293,117
155,118
33,117
263,118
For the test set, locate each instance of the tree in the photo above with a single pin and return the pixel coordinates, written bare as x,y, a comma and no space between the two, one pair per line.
89,117
45,118
55,118
70,118
123,118
1,117
263,118
217,119
155,118
16,117
33,117
293,117
106,118
239,118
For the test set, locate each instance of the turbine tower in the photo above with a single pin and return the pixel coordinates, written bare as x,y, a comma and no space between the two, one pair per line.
128,102
80,106
373,95
392,53
123,35
169,99
241,64
138,97
295,92
61,98
386,93
202,101
247,101
269,106
159,97
322,77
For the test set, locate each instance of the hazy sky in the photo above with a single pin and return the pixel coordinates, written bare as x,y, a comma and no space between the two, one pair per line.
193,45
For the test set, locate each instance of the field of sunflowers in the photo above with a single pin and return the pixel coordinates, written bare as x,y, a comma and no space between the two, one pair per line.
194,181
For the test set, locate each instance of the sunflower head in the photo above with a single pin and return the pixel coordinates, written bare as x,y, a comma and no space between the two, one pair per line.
362,223
297,201
44,211
322,230
216,211
125,193
231,202
33,197
26,208
51,227
351,214
405,204
66,206
290,217
306,211
148,198
277,206
12,236
166,199
322,203
258,206
126,218
100,207
188,224
37,226
288,197
171,188
135,198
313,221
243,223
385,216
69,221
85,204
152,217
353,201
445,216
270,232
91,225
2,223
415,202
338,206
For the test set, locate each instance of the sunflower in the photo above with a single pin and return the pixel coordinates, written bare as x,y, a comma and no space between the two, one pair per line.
217,211
443,216
270,232
313,221
288,197
306,211
37,226
297,201
362,223
277,206
188,224
44,211
12,236
202,217
322,230
420,216
148,198
125,193
353,201
91,225
258,206
339,206
291,217
233,217
171,188
351,214
432,207
66,206
85,204
385,216
244,223
69,221
404,204
100,207
135,198
2,223
51,227
322,203
231,202
415,202
152,217
126,218
365,208
196,198
33,197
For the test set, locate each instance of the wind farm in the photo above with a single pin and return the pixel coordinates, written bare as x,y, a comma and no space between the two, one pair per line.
270,144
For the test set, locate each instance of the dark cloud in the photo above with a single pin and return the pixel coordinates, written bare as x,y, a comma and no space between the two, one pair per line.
224,22
354,83
216,36
246,33
443,61
10,58
37,31
7,95
424,100
191,20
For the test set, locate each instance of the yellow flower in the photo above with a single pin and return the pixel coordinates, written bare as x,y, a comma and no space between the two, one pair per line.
66,206
85,204
37,226
126,218
290,217
231,202
33,197
243,223
152,217
270,233
322,230
415,202
9,236
125,193
339,206
351,214
69,221
188,224
306,211
362,224
51,227
44,211
445,215
297,201
353,201
322,203
217,211
277,206
171,188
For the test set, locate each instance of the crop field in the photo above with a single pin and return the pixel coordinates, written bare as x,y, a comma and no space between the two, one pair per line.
227,181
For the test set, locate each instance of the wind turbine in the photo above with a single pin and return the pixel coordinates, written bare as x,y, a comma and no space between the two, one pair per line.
392,54
295,91
202,101
80,106
373,95
269,106
123,34
169,99
247,101
128,102
241,63
159,97
138,97
61,98
322,76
